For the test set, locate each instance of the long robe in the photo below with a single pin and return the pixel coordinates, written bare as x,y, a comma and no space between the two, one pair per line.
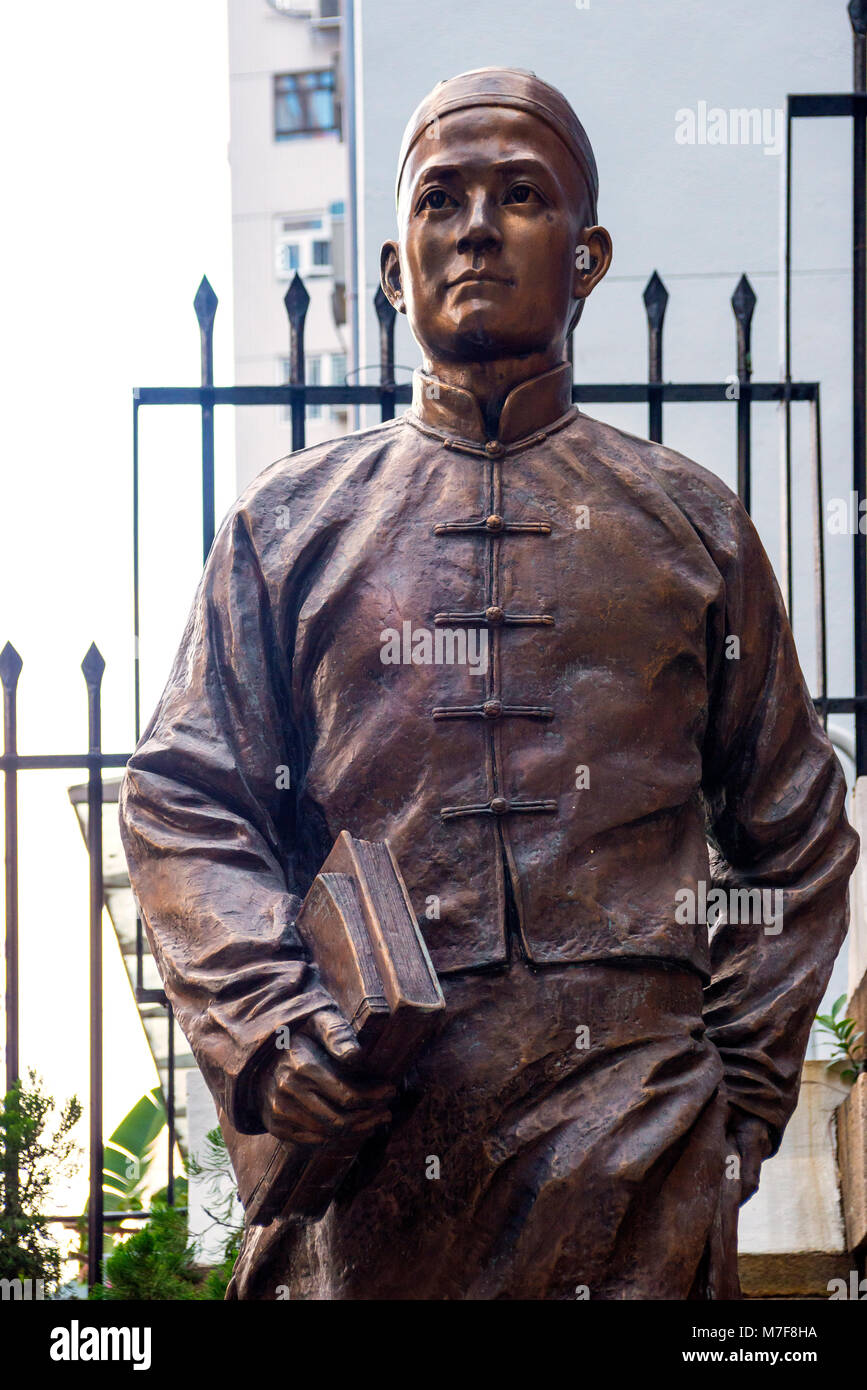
630,693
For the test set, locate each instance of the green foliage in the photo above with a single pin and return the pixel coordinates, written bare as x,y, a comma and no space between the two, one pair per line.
180,1196
127,1158
154,1264
217,1280
158,1264
159,1261
849,1049
129,1152
32,1160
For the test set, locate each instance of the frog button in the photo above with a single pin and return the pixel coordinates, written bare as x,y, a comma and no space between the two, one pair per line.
494,523
494,449
494,615
492,709
499,805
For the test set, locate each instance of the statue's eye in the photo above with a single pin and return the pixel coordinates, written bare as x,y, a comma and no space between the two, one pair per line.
437,199
521,193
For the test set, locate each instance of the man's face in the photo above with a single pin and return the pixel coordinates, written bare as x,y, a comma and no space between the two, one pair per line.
491,211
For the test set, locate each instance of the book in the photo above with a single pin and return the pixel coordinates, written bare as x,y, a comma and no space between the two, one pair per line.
359,927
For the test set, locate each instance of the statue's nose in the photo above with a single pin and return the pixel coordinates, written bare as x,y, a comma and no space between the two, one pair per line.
481,230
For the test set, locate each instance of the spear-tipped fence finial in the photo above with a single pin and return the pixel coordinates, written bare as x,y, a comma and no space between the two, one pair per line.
205,304
655,302
93,666
10,667
743,303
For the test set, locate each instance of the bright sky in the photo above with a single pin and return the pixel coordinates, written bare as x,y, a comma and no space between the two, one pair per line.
115,121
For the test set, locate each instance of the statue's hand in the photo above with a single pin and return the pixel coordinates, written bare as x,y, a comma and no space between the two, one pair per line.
307,1098
753,1142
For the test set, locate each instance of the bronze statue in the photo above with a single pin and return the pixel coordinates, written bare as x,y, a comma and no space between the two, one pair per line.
547,662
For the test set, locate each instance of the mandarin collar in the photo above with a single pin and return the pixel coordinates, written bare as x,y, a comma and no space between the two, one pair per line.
531,406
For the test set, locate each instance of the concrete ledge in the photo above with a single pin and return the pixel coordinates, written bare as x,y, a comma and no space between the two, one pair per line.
802,1275
852,1158
797,1208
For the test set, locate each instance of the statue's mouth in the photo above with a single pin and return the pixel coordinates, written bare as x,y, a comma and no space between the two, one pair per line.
479,277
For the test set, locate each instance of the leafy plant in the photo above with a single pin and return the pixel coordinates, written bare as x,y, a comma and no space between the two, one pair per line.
32,1161
127,1157
158,1264
154,1264
180,1195
129,1152
216,1168
849,1048
217,1280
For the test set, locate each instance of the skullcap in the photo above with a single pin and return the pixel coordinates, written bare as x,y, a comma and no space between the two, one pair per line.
504,87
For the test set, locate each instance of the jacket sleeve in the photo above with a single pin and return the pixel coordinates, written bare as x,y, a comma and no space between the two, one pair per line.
775,792
205,811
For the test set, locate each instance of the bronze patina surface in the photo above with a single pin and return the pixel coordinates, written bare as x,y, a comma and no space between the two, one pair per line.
548,662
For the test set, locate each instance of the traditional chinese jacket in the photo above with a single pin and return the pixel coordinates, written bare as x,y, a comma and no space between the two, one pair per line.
555,806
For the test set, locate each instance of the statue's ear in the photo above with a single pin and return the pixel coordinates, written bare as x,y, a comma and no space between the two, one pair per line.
390,275
592,259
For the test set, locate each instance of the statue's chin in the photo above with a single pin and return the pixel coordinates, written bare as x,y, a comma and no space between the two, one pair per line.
480,337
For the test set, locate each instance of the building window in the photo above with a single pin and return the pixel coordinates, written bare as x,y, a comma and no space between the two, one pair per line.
303,244
288,257
322,255
321,370
305,103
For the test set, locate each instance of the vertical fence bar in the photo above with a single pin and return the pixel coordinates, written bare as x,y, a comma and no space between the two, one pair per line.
170,1104
297,302
136,633
786,509
655,301
857,10
10,670
743,304
139,952
93,667
136,574
858,17
819,552
205,305
386,315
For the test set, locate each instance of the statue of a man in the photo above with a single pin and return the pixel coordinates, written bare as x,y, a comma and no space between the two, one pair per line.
606,1081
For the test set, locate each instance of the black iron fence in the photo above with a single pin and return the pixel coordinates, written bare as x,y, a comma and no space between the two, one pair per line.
738,388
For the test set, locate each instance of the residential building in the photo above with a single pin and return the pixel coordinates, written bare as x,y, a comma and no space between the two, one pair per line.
289,195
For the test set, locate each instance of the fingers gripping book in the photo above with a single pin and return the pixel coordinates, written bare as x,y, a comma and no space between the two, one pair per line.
358,924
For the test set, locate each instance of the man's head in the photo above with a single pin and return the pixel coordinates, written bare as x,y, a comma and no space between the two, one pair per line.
496,200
